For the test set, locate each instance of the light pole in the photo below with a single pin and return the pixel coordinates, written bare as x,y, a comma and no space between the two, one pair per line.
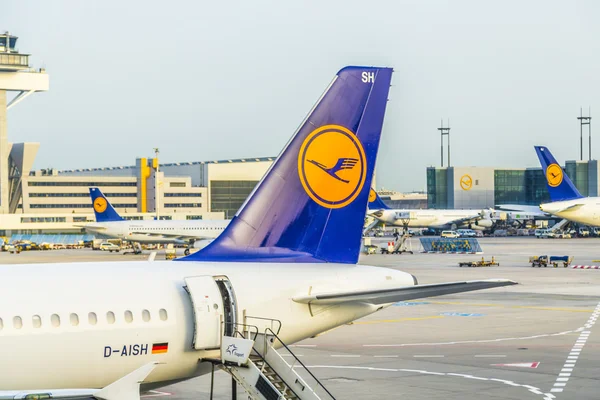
156,192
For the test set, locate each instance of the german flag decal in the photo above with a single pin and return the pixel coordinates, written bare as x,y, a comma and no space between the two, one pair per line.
158,348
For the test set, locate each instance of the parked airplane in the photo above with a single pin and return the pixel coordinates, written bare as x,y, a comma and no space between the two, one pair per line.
285,265
429,218
566,202
194,233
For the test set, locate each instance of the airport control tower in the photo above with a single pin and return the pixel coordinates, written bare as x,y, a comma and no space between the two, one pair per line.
15,76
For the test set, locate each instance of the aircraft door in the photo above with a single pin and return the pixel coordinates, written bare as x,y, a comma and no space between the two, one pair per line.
208,311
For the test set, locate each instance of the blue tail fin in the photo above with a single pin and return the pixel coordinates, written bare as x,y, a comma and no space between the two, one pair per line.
310,206
103,210
559,185
375,202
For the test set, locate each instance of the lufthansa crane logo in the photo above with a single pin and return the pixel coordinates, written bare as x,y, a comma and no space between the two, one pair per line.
332,166
100,205
466,182
372,196
554,175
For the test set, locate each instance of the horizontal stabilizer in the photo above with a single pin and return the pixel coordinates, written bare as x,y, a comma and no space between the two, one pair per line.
392,295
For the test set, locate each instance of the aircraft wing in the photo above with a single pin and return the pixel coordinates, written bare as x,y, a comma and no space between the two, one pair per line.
572,207
92,226
392,295
127,387
169,235
465,220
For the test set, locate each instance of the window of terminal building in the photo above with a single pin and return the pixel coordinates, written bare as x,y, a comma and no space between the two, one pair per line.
228,196
37,220
84,195
85,184
183,194
183,205
193,217
79,205
177,184
81,219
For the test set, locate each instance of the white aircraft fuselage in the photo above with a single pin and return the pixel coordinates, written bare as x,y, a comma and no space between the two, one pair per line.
40,328
437,219
177,232
585,210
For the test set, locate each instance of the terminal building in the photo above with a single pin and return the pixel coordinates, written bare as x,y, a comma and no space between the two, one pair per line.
53,201
486,187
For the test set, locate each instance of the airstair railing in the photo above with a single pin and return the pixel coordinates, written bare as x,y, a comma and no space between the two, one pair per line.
272,320
297,360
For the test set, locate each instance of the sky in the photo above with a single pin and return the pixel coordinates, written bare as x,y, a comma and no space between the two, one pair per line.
212,80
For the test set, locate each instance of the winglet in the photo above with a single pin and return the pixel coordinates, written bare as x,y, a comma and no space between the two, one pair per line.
310,206
128,387
559,185
103,210
375,202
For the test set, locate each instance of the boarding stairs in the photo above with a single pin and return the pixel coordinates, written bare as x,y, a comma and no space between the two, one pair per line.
266,375
370,226
559,225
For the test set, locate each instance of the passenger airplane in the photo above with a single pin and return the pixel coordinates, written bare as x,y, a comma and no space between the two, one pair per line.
288,256
429,218
566,202
195,233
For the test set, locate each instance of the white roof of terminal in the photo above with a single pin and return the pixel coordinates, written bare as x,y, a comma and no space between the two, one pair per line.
239,160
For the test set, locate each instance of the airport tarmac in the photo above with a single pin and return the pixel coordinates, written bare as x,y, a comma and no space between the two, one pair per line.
536,340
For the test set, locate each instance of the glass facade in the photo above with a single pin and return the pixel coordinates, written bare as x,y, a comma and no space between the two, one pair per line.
525,186
508,187
578,172
228,196
437,188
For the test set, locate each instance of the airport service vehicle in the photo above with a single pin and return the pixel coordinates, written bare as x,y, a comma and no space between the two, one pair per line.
437,219
554,261
583,232
544,234
106,246
450,234
195,233
285,269
466,233
566,202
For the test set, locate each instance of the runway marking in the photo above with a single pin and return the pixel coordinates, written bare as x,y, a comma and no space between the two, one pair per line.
303,345
387,321
569,365
532,389
156,393
507,306
490,355
345,355
386,356
426,356
474,341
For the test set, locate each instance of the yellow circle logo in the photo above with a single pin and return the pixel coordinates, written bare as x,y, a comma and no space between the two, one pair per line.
100,205
372,196
332,166
554,175
466,182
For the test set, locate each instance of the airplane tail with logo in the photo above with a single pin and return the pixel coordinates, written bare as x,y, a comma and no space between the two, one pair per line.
103,210
310,205
375,202
559,185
